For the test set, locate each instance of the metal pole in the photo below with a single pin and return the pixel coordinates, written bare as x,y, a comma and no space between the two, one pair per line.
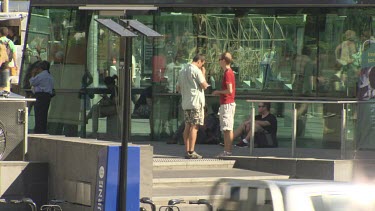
126,120
343,131
26,131
252,128
294,130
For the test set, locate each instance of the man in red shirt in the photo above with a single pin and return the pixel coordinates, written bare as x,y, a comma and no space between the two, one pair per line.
227,104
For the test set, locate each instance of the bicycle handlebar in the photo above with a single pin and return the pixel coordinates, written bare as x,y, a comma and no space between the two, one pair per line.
27,201
203,201
147,200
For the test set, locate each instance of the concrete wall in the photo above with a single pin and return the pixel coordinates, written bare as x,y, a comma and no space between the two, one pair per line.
73,167
19,179
302,168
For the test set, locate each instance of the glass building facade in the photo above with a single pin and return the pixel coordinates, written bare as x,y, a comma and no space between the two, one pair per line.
312,53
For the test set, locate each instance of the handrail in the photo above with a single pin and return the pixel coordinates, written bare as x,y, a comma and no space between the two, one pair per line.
17,99
307,101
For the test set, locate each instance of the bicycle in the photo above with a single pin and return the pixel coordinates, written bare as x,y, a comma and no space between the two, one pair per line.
147,200
53,205
203,201
172,205
27,201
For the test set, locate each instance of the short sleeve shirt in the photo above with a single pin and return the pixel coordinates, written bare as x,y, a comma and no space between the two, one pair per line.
272,128
10,42
12,48
228,79
189,81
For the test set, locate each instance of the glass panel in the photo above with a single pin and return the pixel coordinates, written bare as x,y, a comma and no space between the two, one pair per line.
304,53
342,38
270,51
276,51
284,114
309,131
142,95
58,36
104,63
319,126
167,117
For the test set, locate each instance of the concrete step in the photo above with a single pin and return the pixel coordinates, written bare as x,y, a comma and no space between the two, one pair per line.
364,169
176,178
178,163
214,194
205,177
187,193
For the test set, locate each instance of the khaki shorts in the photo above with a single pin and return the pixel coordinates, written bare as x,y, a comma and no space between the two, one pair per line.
194,116
227,116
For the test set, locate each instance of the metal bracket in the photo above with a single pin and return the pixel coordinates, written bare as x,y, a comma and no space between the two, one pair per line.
21,116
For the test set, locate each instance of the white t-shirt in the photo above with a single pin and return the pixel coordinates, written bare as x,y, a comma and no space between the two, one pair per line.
189,81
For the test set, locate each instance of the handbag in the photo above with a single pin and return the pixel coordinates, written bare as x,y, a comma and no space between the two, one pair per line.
143,111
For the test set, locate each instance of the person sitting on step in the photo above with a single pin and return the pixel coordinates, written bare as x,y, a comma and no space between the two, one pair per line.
265,129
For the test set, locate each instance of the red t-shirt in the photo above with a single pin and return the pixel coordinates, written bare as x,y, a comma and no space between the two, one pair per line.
228,79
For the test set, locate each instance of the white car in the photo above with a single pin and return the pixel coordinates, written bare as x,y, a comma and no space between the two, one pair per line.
296,195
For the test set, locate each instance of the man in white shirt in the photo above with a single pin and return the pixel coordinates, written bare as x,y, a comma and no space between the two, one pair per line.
191,84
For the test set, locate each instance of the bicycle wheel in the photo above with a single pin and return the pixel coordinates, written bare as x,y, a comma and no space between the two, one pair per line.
2,139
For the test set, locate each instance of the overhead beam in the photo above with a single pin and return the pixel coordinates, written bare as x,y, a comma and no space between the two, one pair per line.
117,7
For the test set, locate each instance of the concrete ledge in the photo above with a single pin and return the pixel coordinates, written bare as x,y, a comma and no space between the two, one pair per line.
306,168
73,167
175,164
19,179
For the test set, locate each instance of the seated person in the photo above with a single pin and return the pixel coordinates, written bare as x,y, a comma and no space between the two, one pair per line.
106,106
142,107
209,133
265,129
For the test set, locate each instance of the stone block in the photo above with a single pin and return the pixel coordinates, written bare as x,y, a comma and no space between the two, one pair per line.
20,179
249,163
284,166
344,170
73,167
315,169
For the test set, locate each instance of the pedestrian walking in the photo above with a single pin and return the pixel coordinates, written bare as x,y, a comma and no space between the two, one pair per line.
191,84
227,104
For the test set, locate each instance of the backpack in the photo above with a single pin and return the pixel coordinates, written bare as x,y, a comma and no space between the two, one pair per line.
8,50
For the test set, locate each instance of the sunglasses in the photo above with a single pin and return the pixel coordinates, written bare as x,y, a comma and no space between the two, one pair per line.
220,59
261,106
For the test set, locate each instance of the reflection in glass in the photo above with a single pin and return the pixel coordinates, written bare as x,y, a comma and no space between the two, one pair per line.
313,53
